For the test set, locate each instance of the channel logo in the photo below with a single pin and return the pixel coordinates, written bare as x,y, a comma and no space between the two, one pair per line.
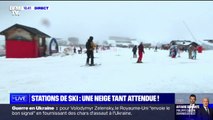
18,98
15,10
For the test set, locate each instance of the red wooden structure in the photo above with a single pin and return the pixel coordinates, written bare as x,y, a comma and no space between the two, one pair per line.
24,42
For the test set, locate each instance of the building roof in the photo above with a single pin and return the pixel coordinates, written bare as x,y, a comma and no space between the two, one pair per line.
29,29
121,39
181,40
209,40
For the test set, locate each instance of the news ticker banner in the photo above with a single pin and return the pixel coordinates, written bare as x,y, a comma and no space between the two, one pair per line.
96,106
92,98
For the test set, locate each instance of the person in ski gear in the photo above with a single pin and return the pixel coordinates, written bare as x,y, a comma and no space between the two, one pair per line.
173,50
156,49
97,47
140,52
179,50
194,53
190,50
80,50
134,50
74,49
90,46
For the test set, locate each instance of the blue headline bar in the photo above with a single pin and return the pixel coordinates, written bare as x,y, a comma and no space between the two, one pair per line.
92,98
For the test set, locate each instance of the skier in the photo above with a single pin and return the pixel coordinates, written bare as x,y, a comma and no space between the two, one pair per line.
156,49
134,50
140,52
80,51
178,51
190,50
74,50
170,52
194,53
173,50
97,47
90,46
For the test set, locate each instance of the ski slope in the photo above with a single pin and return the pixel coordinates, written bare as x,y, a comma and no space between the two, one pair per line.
118,72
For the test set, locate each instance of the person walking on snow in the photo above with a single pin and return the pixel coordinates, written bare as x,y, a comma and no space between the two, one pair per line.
90,46
156,48
134,50
190,51
97,47
74,49
194,53
80,50
179,50
140,52
173,50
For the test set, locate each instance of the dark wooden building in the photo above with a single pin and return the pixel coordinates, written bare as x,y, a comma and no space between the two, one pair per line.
24,42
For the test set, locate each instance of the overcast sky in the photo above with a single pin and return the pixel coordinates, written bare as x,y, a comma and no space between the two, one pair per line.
146,21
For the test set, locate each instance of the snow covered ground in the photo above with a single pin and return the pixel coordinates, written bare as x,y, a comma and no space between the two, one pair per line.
118,73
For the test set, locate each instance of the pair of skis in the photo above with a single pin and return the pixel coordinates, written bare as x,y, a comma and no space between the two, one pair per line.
94,65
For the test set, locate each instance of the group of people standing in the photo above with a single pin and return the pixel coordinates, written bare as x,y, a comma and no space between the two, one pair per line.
175,50
79,51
